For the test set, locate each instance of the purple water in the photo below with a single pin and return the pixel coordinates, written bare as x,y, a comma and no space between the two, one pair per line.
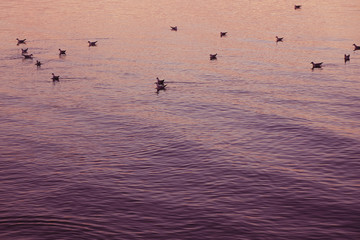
253,145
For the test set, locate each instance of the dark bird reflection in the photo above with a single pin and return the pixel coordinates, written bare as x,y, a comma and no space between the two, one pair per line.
28,56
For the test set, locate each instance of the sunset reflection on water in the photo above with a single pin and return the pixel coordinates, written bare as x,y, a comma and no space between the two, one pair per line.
252,145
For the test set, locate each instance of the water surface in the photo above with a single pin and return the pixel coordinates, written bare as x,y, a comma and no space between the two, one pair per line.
253,145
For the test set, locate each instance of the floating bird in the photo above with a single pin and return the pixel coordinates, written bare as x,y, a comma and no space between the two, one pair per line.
279,39
55,78
316,65
161,82
356,47
92,44
347,57
213,56
24,50
62,52
21,41
223,34
297,6
28,56
173,28
160,86
38,63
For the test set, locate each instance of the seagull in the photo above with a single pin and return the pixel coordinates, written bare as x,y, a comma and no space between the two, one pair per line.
55,78
92,43
21,41
24,50
356,47
161,82
223,34
316,65
213,56
160,86
173,28
279,39
28,56
38,63
297,6
347,57
62,52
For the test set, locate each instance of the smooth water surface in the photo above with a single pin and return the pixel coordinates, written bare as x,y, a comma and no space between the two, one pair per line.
253,145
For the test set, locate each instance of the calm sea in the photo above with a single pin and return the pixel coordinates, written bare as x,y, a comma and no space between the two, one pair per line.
253,145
